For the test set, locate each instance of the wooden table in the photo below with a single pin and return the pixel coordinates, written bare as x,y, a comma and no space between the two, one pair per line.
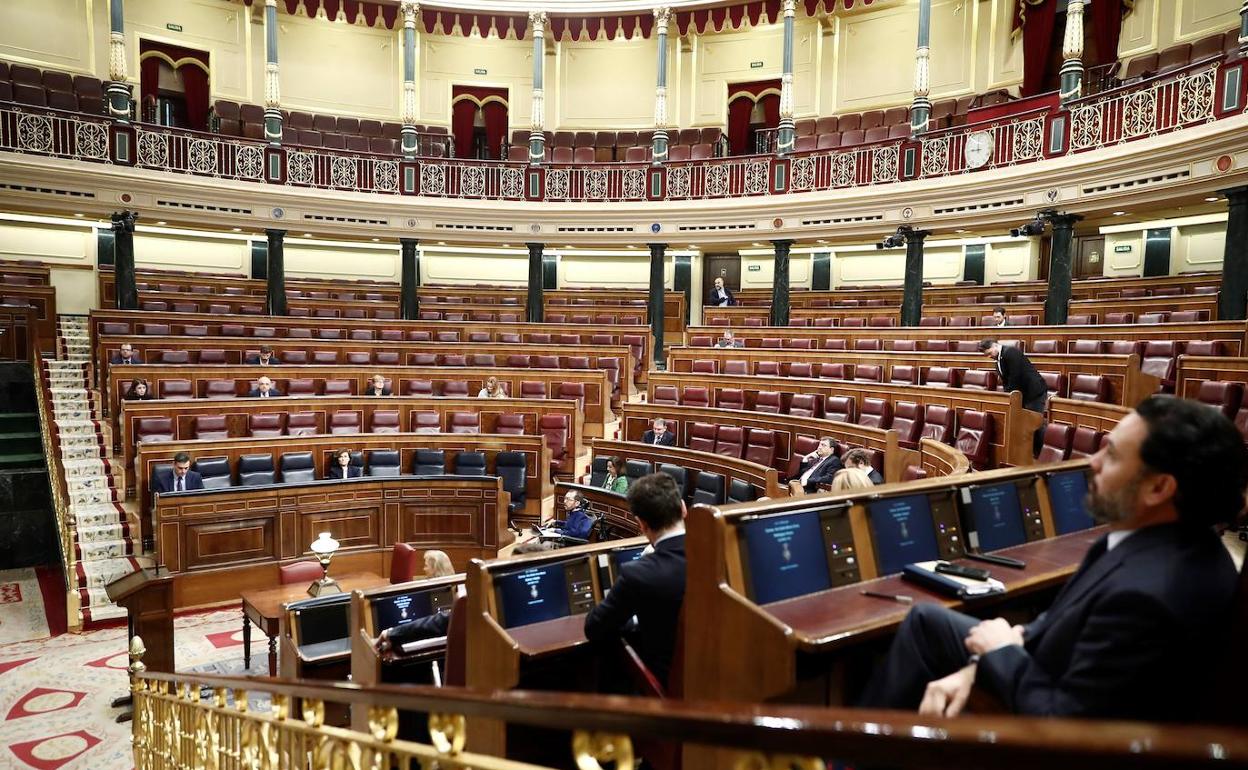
263,607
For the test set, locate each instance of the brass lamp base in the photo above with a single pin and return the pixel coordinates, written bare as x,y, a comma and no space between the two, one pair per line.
324,587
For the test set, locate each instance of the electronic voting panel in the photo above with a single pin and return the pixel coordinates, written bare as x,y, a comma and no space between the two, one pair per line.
609,563
786,555
913,528
1002,515
545,591
1068,498
390,611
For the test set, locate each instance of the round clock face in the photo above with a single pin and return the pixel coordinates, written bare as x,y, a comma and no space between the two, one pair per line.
979,146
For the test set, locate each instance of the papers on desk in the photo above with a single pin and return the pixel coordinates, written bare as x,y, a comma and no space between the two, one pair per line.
420,645
924,573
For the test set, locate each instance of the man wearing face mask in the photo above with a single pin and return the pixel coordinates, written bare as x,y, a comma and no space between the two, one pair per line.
1138,630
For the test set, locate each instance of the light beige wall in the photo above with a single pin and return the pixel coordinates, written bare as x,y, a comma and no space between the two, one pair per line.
339,68
1158,24
341,260
55,34
196,252
722,59
1012,260
628,68
1196,244
220,29
494,266
614,271
1130,263
1194,248
764,276
857,266
450,61
70,251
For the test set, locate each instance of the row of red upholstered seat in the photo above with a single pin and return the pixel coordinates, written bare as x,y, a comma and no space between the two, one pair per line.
998,299
609,146
315,130
1068,442
217,308
1026,319
330,357
1178,56
177,388
51,88
1227,397
19,279
209,288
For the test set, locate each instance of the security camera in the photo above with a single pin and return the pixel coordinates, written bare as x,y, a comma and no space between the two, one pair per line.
894,241
1035,227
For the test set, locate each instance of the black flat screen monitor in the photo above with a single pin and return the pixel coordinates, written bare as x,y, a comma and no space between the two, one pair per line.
903,532
785,556
621,556
543,592
390,611
323,621
996,516
1068,492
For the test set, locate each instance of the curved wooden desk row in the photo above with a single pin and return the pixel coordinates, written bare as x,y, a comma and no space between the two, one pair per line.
220,542
235,350
1084,288
602,314
536,454
1128,385
182,302
1086,414
636,419
187,417
42,301
760,642
613,505
1097,308
183,282
597,403
573,300
40,273
762,478
1193,370
1014,425
1232,333
274,327
18,329
937,459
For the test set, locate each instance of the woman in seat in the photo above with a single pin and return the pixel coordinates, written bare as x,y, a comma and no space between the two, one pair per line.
437,564
139,390
615,481
492,389
341,467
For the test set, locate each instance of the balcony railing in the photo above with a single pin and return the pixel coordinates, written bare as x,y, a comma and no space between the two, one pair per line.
1202,92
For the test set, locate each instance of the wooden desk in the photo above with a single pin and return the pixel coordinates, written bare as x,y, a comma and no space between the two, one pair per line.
263,607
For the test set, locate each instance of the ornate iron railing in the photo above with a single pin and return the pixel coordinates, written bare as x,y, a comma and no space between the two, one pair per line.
1169,102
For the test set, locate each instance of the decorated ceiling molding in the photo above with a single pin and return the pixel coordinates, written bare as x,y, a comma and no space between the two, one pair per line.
696,18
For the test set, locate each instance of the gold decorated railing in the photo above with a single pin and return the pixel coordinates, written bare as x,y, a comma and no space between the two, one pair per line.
190,721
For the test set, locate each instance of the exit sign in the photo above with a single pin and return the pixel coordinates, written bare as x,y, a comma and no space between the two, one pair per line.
174,27
756,65
480,71
1123,249
754,268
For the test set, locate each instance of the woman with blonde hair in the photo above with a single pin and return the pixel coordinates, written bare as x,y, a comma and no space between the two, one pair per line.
492,389
851,478
438,564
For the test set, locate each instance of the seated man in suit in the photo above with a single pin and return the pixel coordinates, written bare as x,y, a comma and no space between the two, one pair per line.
127,355
729,341
998,317
1140,630
861,459
377,386
652,588
659,434
720,295
180,478
266,357
577,522
341,467
264,389
817,468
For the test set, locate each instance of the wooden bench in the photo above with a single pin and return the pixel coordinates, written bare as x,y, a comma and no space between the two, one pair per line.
1193,370
1086,414
19,335
34,274
1014,426
296,307
214,284
937,459
675,307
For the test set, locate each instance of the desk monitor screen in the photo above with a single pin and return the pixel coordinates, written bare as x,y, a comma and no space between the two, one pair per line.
390,611
544,592
324,621
1068,492
795,554
995,515
903,531
621,556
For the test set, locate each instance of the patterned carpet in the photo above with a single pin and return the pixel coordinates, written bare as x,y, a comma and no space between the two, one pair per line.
55,693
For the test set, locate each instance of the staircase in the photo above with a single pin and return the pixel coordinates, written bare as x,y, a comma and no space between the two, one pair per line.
103,533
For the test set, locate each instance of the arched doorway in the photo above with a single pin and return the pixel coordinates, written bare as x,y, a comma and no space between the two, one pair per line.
753,115
479,121
173,85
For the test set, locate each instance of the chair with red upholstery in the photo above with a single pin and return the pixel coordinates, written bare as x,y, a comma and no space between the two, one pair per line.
175,389
737,367
426,422
1204,348
704,366
455,388
175,357
802,446
1090,387
420,387
545,362
1223,396
770,342
904,375
979,379
901,346
295,357
1159,317
1081,319
800,369
868,373
1119,318
531,389
939,423
554,428
767,368
837,408
385,421
943,377
936,346
1085,347
210,427
695,395
153,429
856,323
339,387
1160,360
301,424
760,447
701,436
465,422
329,357
573,391
908,422
730,398
876,413
266,425
1046,346
868,344
665,394
804,405
509,425
1085,442
1056,446
965,346
768,401
344,422
1055,383
300,572
452,359
518,361
1187,316
976,432
835,344
730,441
801,343
219,389
833,371
405,564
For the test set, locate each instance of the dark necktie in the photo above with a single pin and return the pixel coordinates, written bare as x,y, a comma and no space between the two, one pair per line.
178,486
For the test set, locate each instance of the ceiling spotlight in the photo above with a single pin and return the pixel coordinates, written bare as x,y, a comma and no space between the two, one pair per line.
307,235
80,215
441,243
1034,227
960,230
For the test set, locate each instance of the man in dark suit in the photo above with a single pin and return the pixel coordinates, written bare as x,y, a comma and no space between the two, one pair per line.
720,295
127,355
817,468
659,434
1140,630
264,389
178,479
266,357
652,588
998,317
1017,373
377,386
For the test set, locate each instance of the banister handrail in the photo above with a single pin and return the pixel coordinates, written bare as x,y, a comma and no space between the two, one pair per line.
860,736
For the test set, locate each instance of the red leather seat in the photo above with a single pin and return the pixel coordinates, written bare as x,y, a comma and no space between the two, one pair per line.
1046,346
301,424
868,373
944,377
939,423
1085,442
153,429
266,425
798,344
1085,347
210,427
730,441
701,436
761,447
301,387
834,344
665,394
804,405
904,375
730,398
455,388
976,433
1056,446
1159,360
465,422
573,391
865,344
802,446
913,473
800,369
531,389
1204,348
737,367
767,401
509,425
387,357
339,387
965,346
545,362
178,389
908,422
219,389
405,564
695,396
1081,320
1153,318
325,356
453,359
1119,318
554,428
295,357
837,408
426,422
704,366
300,572
420,387
979,379
901,346
1055,382
385,421
1089,387
175,357
344,422
936,346
1224,396
876,413
932,321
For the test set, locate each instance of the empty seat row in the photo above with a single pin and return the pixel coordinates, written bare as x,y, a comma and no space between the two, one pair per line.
178,388
51,88
1067,442
388,357
1178,56
1228,398
382,312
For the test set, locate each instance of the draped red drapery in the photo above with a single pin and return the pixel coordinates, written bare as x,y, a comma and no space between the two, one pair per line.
465,101
1036,19
190,64
741,100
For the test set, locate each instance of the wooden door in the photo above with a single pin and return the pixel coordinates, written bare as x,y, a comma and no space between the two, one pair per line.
1089,257
726,266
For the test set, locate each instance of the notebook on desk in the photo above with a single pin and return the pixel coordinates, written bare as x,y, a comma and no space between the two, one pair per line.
924,573
420,645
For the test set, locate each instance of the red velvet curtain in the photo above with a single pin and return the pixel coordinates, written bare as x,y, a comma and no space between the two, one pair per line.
739,124
771,109
740,107
495,127
149,78
195,81
493,104
188,63
1038,22
463,112
1106,21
